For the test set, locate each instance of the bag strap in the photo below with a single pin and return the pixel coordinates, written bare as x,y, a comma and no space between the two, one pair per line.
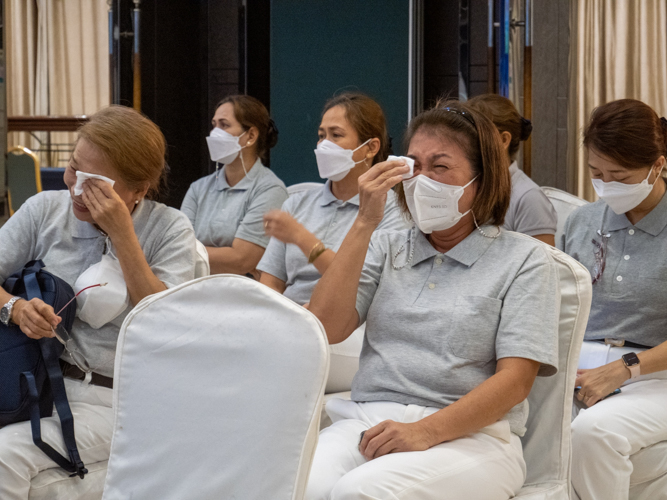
50,356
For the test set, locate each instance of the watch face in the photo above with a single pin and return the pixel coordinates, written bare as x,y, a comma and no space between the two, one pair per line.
4,315
630,359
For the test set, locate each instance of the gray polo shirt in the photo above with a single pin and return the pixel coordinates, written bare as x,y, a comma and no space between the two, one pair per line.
329,219
629,301
436,326
530,211
220,213
45,228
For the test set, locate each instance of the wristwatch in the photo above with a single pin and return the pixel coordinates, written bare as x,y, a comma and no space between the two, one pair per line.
631,361
6,311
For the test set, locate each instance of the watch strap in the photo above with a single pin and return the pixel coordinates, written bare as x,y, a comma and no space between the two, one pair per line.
635,370
10,306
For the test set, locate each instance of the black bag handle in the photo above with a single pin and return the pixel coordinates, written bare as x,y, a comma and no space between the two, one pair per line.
50,355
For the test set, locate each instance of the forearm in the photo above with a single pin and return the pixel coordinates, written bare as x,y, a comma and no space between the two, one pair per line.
139,278
652,360
484,405
229,260
307,243
334,298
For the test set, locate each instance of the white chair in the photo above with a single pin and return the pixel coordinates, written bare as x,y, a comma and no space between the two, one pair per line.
546,444
564,203
217,394
302,186
202,267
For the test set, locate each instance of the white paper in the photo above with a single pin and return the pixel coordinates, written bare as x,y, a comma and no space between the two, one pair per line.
409,162
81,178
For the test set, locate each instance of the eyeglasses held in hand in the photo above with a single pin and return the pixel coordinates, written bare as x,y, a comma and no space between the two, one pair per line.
64,338
600,254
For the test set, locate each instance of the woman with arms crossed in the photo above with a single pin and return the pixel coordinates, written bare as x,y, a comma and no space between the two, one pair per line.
461,317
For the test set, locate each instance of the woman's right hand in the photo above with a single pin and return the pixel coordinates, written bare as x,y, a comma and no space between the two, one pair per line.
35,318
374,186
282,226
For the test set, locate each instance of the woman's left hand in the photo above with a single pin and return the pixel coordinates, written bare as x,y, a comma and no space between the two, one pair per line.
393,437
108,210
597,383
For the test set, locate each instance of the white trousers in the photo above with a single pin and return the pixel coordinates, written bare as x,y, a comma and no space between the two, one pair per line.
614,450
21,460
486,465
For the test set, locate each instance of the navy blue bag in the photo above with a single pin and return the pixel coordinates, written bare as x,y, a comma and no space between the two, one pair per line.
31,380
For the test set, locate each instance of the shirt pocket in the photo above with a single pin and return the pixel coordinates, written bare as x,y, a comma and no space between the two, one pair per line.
473,329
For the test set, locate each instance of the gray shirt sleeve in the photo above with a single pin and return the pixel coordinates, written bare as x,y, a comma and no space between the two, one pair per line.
393,218
189,205
529,321
370,276
273,261
251,227
173,261
18,238
535,214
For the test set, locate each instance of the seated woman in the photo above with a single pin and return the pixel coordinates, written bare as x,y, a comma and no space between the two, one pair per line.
101,234
530,211
622,240
226,208
456,331
311,226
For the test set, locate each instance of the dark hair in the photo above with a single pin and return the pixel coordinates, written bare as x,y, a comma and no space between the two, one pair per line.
504,115
481,144
367,118
250,112
628,132
132,143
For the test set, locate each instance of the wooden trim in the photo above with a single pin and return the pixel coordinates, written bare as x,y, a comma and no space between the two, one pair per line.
45,123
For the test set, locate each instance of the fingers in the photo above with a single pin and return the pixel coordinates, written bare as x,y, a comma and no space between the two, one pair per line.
37,319
370,434
47,312
89,199
103,187
374,438
383,167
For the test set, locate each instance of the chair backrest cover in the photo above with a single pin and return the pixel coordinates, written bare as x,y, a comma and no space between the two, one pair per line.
202,267
23,176
218,387
302,186
546,444
564,203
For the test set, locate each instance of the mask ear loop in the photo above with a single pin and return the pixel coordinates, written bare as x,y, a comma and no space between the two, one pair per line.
357,149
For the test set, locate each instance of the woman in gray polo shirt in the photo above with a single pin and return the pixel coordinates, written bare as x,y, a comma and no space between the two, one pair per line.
226,208
312,224
461,316
622,240
530,211
139,246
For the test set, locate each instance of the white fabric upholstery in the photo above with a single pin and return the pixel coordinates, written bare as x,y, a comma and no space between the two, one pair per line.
302,186
56,484
546,445
202,267
217,394
564,203
344,361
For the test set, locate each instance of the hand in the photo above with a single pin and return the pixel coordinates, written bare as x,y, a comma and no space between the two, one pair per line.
392,437
282,226
108,210
374,186
35,318
598,383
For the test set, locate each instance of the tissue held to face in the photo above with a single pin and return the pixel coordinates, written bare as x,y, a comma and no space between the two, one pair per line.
89,159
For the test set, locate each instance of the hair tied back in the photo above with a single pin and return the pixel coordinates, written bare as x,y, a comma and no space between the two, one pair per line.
272,134
526,128
663,122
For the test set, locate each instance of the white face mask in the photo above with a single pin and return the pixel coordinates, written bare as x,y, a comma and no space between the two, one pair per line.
334,162
621,197
98,306
223,146
434,206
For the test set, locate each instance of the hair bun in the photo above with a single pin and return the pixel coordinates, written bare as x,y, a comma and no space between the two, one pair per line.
271,134
526,128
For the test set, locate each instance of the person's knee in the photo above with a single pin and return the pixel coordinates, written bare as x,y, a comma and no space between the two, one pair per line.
590,432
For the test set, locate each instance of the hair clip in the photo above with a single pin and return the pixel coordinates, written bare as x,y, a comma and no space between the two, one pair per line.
462,113
526,128
272,125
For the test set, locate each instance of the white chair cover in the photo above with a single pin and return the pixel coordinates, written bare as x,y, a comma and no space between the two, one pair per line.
302,186
202,267
564,203
217,394
546,444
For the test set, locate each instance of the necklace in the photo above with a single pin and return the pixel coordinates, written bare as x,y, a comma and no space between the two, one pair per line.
482,231
412,251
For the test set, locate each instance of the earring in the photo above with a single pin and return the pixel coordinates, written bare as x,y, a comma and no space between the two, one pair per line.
136,202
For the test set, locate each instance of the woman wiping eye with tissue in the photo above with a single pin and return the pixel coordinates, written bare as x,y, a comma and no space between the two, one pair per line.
104,229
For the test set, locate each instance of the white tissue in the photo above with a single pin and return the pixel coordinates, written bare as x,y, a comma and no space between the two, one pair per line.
81,178
408,161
